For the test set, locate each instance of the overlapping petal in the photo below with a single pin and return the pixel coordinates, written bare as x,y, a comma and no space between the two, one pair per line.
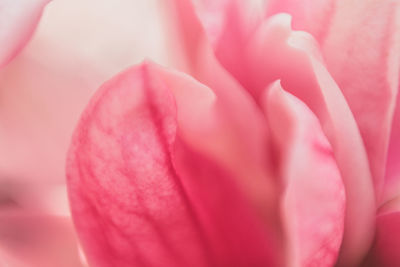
275,52
279,53
360,42
313,198
143,193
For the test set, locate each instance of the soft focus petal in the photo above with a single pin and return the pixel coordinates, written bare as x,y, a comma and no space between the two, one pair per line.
141,196
313,201
279,53
44,90
18,20
35,239
360,41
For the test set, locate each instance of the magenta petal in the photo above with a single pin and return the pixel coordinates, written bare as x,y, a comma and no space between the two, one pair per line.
278,53
141,196
313,201
391,187
18,20
385,251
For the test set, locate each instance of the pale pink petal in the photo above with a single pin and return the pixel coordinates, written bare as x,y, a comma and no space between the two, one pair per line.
313,200
360,41
34,239
279,53
44,90
140,194
362,52
18,20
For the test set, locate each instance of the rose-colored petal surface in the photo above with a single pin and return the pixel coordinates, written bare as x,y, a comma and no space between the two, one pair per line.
279,53
391,189
360,42
313,201
385,251
36,239
140,196
18,20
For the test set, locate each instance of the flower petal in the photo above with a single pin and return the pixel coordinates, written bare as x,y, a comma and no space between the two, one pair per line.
313,202
18,20
222,29
360,43
200,62
362,52
142,195
279,53
308,15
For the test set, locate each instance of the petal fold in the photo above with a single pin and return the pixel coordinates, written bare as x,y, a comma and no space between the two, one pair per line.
313,200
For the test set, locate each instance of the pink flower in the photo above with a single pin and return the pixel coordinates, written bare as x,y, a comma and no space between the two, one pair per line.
267,146
279,150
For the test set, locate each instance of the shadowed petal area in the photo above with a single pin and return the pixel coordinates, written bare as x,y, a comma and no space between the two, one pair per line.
385,251
18,20
391,189
31,238
277,52
313,200
140,191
